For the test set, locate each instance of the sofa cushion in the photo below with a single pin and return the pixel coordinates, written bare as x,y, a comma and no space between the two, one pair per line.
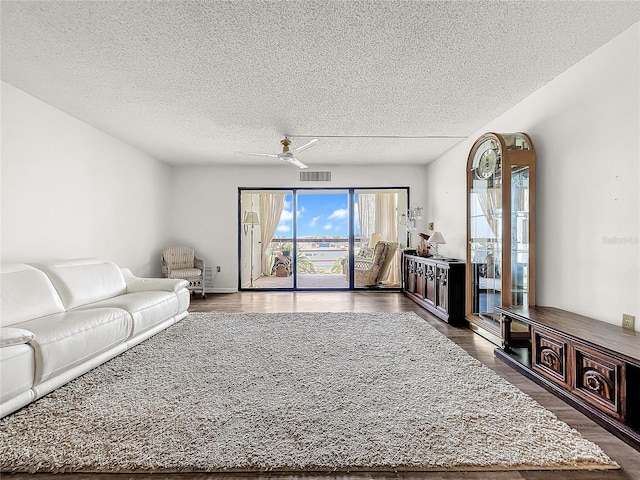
64,340
147,309
17,367
15,336
26,293
84,281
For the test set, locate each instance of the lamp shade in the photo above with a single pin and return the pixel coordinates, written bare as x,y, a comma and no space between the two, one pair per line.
251,218
437,238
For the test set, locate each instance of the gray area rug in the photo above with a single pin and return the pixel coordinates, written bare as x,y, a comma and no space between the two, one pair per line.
291,392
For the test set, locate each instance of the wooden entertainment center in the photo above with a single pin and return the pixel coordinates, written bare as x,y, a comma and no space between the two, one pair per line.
592,365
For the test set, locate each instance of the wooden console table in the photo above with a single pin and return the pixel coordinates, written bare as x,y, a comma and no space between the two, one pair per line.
592,365
436,284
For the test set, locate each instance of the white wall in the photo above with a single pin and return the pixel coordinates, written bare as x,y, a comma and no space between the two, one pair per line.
69,190
585,127
204,211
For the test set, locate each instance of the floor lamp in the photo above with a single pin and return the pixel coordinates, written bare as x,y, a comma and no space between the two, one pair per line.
250,218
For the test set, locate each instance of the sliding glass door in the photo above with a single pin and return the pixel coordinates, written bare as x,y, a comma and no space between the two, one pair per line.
380,239
315,239
265,233
322,238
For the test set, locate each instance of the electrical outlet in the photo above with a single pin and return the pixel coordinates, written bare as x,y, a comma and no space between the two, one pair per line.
628,321
430,225
218,269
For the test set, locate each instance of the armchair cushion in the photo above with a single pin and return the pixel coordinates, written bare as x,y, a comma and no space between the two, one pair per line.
185,273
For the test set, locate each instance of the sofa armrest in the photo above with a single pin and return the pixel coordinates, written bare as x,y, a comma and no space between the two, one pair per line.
138,284
10,336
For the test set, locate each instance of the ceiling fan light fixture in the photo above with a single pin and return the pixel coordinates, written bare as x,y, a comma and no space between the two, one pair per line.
287,155
285,144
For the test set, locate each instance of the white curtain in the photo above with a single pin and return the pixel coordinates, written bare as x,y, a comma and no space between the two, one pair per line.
271,205
386,224
367,215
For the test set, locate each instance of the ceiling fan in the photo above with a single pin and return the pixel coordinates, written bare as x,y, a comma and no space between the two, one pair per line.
287,155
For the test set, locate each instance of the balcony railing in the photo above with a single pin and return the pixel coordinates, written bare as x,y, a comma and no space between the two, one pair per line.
315,254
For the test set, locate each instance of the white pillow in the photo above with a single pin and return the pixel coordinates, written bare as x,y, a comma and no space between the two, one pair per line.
15,336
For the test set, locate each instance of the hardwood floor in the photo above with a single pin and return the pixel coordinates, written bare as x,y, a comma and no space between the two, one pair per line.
478,347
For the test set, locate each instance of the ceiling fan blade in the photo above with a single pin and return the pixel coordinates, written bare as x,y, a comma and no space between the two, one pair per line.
260,154
295,161
305,146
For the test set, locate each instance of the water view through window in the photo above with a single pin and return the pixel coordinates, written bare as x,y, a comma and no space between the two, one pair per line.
309,237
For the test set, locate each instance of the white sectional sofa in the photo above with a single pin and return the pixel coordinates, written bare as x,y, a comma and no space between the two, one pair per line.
62,319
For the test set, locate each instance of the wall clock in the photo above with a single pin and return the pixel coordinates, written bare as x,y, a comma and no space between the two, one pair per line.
487,159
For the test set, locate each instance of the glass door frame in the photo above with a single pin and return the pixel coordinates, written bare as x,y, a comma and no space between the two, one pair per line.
351,235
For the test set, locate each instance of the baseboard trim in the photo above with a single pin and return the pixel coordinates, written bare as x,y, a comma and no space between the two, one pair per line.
221,290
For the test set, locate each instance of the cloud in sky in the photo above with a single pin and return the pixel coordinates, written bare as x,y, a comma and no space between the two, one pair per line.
287,213
341,214
317,215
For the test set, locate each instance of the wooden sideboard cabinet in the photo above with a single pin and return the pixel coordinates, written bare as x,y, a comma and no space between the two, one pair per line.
592,365
436,284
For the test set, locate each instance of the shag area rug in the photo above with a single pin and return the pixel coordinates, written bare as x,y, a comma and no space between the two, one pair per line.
323,392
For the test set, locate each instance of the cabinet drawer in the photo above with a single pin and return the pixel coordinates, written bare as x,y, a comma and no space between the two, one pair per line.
550,355
420,283
442,295
430,280
410,275
599,379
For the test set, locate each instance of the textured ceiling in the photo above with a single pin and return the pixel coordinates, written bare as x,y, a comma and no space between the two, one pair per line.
197,81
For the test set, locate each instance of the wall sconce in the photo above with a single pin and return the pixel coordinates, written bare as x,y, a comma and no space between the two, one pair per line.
435,240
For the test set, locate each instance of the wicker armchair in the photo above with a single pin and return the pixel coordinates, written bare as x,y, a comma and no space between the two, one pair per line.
373,272
181,262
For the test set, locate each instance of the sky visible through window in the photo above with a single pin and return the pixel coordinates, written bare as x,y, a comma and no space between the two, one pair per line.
318,215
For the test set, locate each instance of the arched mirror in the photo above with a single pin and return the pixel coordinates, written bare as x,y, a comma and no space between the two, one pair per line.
500,229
